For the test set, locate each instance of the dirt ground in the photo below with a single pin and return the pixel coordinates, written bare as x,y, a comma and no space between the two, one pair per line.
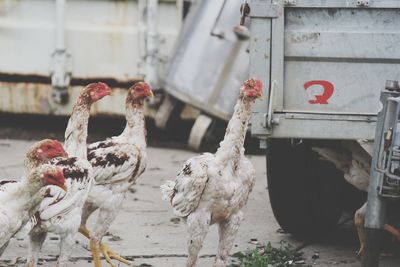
147,232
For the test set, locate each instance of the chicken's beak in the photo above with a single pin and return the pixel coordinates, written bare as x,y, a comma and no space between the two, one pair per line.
64,186
151,94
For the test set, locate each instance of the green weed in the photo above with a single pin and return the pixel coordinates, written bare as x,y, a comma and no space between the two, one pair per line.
268,256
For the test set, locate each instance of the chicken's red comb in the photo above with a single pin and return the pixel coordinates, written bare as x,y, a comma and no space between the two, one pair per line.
253,84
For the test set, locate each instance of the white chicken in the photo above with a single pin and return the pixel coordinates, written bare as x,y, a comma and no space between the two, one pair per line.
213,188
19,199
60,212
117,163
40,153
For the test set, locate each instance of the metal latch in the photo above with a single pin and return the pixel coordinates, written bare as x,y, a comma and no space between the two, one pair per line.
257,9
268,121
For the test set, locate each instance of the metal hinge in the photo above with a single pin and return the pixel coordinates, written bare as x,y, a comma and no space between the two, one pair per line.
261,9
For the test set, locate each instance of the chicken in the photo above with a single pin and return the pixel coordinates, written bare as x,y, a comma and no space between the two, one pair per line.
60,211
213,188
19,200
356,172
117,163
40,153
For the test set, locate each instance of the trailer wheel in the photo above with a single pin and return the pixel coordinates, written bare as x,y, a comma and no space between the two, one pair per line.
305,192
199,131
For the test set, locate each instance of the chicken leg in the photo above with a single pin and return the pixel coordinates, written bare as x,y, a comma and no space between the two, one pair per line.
359,219
227,234
66,245
95,253
93,246
198,225
394,231
36,239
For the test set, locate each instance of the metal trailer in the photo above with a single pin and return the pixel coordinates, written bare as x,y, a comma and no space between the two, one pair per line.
323,64
50,48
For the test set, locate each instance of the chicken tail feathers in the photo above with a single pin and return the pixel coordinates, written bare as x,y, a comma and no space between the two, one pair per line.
168,191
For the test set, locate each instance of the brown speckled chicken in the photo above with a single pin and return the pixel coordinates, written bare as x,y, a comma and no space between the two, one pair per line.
213,188
117,163
60,211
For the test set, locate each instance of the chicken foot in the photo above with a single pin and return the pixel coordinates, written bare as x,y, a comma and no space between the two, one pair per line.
392,230
110,254
107,252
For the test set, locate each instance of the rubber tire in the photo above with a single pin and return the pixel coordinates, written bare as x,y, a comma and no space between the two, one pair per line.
305,192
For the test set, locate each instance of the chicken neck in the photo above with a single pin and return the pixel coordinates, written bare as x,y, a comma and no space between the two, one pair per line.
28,194
231,148
135,129
31,162
77,129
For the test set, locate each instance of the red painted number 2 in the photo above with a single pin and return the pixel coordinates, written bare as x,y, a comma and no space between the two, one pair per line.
326,94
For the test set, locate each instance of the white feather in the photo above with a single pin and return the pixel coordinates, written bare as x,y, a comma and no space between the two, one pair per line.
167,190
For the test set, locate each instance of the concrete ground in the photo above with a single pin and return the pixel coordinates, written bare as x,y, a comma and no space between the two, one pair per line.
146,230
